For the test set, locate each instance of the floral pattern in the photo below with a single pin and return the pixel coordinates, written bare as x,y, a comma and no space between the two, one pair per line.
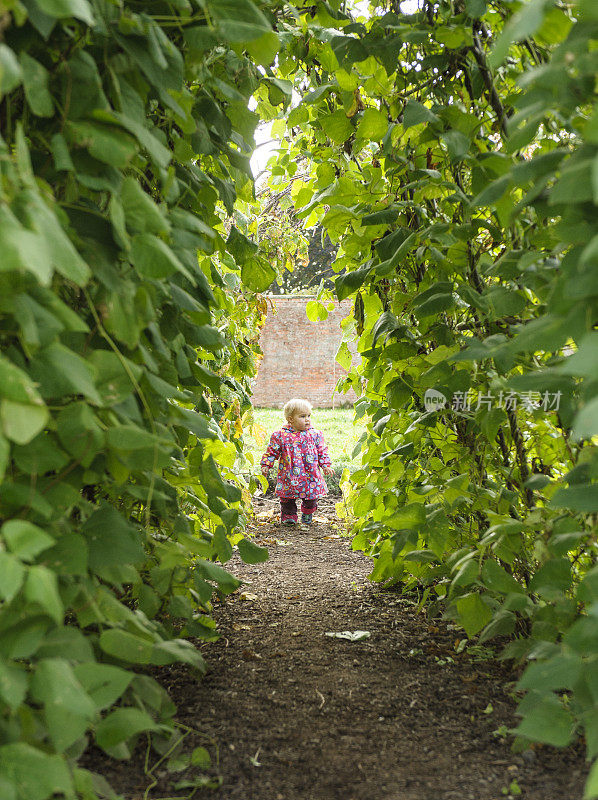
300,455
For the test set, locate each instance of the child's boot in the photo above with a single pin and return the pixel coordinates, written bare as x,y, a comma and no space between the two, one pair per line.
306,519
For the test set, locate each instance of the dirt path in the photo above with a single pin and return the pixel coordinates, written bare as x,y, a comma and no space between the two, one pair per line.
399,715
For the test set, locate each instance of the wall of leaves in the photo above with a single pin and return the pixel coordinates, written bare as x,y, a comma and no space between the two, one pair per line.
128,335
453,157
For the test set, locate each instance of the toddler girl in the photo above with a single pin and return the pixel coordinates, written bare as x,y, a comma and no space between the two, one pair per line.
301,452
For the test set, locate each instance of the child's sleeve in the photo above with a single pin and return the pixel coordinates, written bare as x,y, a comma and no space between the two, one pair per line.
323,457
272,452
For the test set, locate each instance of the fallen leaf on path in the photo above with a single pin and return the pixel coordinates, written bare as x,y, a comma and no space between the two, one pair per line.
248,596
266,515
352,636
322,700
250,655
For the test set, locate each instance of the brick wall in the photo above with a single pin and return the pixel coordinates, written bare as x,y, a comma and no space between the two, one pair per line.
299,355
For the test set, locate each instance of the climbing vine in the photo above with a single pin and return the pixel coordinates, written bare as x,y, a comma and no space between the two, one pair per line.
450,155
453,154
129,313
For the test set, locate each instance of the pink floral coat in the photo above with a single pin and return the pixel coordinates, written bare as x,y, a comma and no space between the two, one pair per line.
300,455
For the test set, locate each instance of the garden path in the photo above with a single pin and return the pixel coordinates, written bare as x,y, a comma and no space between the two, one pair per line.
299,715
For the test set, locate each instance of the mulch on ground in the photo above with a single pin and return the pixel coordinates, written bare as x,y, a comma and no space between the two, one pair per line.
290,713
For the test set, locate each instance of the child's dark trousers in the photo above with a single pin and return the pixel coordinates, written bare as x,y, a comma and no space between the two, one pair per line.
288,508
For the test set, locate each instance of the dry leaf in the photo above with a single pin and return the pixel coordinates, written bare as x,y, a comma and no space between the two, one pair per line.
352,636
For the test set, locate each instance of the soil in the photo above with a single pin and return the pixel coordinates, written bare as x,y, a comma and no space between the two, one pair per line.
290,713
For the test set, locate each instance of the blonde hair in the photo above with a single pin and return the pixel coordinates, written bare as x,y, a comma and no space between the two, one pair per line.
296,405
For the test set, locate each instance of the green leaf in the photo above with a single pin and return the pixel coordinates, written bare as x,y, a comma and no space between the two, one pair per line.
240,247
41,587
153,258
434,305
16,385
68,709
65,258
457,144
126,646
25,540
497,579
132,437
591,787
519,27
264,49
315,311
37,774
552,578
385,325
60,371
23,250
415,114
142,214
14,681
80,9
111,539
107,143
560,672
411,516
382,217
193,422
103,683
473,613
476,8
346,284
582,497
585,424
372,125
115,376
121,725
35,79
22,410
251,553
574,184
61,154
79,432
12,573
547,722
22,422
66,640
491,420
4,456
201,758
337,126
212,572
11,73
493,192
238,20
177,651
257,274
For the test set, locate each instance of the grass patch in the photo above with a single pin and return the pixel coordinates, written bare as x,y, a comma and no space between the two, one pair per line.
340,434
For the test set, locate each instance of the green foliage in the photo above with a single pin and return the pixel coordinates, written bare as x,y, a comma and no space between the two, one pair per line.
128,342
451,156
